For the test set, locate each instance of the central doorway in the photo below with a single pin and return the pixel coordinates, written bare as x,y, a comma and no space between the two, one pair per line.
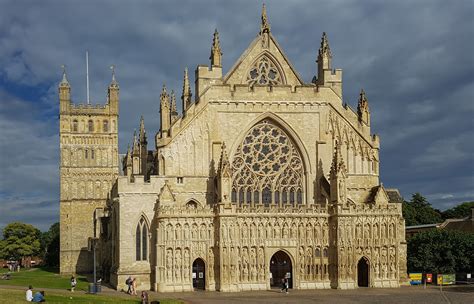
199,274
363,272
280,267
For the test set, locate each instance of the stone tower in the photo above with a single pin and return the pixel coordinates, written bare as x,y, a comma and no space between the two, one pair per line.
88,169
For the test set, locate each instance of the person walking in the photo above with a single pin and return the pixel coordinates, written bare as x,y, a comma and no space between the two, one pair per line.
129,285
134,286
282,284
286,284
73,283
144,297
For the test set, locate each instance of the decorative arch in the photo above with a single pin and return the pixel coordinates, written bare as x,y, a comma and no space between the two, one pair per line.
141,239
265,70
192,204
268,167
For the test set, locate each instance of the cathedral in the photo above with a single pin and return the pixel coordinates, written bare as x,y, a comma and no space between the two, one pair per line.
263,176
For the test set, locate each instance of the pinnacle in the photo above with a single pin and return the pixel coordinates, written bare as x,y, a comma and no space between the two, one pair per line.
64,81
265,26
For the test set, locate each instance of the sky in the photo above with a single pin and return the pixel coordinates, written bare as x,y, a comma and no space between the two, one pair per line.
414,59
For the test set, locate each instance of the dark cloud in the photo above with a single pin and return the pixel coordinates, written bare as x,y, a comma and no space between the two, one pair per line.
414,59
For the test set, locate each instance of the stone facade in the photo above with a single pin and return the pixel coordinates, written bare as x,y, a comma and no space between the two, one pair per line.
263,176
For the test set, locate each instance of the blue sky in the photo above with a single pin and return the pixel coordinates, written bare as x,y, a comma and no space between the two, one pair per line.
413,58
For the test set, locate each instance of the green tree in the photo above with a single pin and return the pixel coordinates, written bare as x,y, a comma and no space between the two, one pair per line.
418,211
441,251
460,211
20,240
51,256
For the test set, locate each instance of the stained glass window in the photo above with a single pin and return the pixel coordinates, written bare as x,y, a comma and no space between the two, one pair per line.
267,162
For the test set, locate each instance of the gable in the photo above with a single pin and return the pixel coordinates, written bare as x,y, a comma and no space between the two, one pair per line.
263,63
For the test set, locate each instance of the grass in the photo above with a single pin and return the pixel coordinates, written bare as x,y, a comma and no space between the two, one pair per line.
48,278
18,296
43,278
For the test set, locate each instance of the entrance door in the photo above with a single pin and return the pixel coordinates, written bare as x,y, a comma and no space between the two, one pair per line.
280,267
363,272
199,274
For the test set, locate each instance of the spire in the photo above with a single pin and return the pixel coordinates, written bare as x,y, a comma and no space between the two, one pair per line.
363,108
64,82
142,130
135,147
186,97
174,111
164,98
223,170
216,53
324,49
129,157
114,82
265,26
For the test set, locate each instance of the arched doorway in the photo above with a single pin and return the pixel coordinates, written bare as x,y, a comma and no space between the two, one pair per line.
199,274
280,267
363,272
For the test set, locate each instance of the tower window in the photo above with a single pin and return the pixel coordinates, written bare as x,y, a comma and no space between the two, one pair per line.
142,241
74,125
90,125
105,126
92,154
86,154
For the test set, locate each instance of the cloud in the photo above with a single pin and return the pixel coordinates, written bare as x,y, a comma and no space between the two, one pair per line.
414,60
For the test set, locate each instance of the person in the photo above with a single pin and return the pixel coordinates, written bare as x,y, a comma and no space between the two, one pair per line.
144,297
29,294
38,297
129,285
286,284
73,283
134,286
282,284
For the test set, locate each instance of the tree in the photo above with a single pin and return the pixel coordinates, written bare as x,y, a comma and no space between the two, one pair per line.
20,240
460,211
441,251
418,211
51,255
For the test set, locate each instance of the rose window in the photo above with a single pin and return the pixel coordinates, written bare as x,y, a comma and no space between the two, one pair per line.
267,168
264,72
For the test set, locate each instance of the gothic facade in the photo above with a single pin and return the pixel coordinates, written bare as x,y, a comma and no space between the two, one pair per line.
262,176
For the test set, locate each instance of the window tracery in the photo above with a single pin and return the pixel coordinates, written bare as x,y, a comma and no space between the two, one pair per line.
141,237
268,165
264,72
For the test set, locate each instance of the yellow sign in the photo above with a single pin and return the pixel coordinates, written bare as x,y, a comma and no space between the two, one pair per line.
440,279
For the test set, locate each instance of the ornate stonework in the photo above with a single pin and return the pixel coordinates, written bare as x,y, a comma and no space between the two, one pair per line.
263,176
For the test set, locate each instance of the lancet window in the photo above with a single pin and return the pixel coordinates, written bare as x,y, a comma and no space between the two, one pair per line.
141,236
267,168
264,72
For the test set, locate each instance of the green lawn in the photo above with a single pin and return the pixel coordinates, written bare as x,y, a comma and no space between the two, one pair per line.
43,278
18,296
47,278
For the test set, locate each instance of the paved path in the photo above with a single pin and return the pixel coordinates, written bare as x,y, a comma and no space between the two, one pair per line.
406,294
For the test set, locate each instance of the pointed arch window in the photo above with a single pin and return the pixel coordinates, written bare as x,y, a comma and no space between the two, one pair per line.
90,126
267,162
105,126
74,125
141,240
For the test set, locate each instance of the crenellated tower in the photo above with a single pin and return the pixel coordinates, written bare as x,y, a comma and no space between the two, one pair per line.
88,169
